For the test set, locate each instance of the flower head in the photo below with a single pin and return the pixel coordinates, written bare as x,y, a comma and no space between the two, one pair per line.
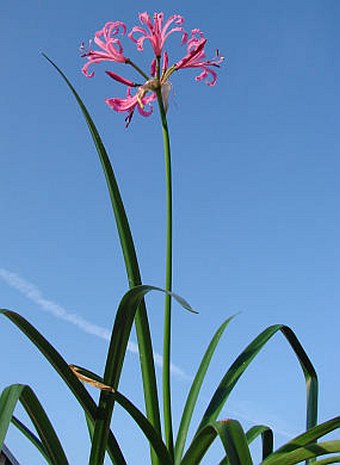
155,32
110,45
155,83
196,58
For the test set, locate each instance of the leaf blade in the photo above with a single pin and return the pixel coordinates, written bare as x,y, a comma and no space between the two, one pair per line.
235,442
131,263
267,437
311,436
62,368
25,395
232,437
29,435
149,431
267,441
114,362
242,362
195,390
307,452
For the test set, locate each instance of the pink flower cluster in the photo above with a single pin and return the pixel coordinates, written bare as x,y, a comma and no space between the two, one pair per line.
156,32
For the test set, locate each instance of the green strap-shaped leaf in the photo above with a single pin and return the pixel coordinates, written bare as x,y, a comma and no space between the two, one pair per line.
131,264
267,437
25,395
235,442
119,339
30,436
310,436
307,452
199,446
149,431
122,328
242,362
233,439
62,368
335,459
194,391
267,441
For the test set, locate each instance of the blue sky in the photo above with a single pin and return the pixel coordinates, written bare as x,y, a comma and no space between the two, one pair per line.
256,193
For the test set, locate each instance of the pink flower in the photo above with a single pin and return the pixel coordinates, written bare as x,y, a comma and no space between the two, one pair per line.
112,49
140,100
195,58
155,32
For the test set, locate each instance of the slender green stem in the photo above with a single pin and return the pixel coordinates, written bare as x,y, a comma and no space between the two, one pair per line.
168,281
137,68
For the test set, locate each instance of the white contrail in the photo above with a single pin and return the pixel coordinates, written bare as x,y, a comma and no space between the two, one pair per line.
32,293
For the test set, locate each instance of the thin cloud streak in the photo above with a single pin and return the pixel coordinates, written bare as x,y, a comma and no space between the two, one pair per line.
31,292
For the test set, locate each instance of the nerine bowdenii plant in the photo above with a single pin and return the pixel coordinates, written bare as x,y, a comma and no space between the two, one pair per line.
143,89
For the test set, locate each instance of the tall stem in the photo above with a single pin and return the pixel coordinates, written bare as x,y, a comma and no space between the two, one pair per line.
168,281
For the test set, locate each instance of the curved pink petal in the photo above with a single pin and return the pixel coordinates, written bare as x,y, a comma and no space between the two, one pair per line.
131,102
139,42
111,47
144,18
174,18
177,19
143,111
195,54
155,32
195,58
204,76
122,104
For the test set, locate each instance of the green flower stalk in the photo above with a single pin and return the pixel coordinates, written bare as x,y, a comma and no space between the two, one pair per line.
168,281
